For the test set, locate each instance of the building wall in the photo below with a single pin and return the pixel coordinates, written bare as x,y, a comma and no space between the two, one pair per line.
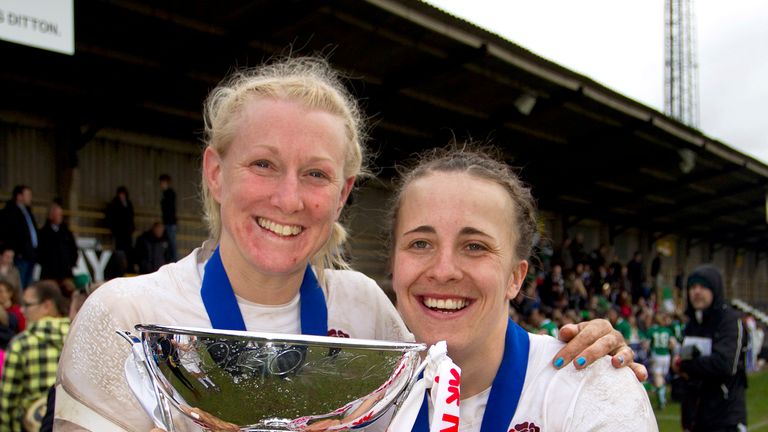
111,159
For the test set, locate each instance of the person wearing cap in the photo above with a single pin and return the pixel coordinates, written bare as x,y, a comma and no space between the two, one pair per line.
712,359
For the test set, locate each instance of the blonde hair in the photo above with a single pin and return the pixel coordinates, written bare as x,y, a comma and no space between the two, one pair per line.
309,81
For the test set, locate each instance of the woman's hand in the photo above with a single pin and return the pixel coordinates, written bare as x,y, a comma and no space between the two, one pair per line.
590,340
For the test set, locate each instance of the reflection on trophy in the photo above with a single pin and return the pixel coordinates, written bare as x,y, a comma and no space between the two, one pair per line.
235,380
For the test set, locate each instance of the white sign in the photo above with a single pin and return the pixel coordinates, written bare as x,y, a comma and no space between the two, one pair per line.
46,24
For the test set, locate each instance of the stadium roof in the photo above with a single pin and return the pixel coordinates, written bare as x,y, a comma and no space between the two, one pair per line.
425,77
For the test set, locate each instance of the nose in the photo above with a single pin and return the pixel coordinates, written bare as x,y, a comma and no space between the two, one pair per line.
445,267
287,194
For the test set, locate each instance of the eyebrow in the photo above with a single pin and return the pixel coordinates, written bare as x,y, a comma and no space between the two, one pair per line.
428,229
472,231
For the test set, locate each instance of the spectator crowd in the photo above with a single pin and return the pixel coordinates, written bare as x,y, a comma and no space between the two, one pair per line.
570,284
39,294
567,285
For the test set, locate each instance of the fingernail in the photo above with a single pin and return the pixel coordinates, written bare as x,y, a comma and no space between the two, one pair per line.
581,361
559,362
621,359
195,415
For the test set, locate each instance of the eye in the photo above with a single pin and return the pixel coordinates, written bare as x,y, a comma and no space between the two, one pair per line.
419,244
318,174
476,247
261,163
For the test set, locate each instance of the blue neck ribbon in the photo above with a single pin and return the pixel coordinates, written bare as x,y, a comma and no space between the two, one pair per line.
223,311
506,388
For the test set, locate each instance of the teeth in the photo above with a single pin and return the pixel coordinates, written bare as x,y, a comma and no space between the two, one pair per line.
445,304
283,230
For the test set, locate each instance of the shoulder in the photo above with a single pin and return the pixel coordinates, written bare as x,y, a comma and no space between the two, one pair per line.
349,287
605,396
169,285
732,314
352,287
359,307
348,277
19,343
596,398
350,282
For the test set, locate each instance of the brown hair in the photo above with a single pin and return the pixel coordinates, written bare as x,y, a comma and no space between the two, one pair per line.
477,162
49,290
12,290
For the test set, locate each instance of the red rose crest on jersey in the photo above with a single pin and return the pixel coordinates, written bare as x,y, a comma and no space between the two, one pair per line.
526,427
337,333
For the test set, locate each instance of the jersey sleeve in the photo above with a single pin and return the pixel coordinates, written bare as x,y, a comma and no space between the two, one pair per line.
91,367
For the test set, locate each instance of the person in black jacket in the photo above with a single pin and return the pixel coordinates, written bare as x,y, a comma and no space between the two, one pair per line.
57,252
120,221
152,250
168,208
712,360
18,230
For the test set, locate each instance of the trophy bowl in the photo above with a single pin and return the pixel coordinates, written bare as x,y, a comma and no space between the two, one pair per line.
251,381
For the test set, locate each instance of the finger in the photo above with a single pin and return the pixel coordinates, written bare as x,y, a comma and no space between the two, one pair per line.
640,371
587,333
599,348
567,332
624,356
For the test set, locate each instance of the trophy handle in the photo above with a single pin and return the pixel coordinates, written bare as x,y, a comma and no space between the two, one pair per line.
161,406
436,364
412,382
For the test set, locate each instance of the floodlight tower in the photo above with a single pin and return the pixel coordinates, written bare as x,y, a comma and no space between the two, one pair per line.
681,77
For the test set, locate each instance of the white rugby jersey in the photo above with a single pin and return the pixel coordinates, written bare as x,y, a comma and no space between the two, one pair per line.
598,398
91,366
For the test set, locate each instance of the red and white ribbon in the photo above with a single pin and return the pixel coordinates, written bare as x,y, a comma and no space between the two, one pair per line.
443,377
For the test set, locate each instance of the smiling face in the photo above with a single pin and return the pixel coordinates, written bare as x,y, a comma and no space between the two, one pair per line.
280,184
454,266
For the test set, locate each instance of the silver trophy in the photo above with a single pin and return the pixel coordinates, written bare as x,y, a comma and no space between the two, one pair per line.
249,381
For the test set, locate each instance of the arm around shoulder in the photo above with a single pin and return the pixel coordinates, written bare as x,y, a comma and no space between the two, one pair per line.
610,399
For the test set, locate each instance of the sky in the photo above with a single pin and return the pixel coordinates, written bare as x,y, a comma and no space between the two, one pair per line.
620,44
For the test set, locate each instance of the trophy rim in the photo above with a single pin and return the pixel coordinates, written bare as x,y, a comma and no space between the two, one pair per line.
410,354
325,341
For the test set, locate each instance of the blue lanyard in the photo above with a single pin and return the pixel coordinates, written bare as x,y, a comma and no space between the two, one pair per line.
506,388
222,308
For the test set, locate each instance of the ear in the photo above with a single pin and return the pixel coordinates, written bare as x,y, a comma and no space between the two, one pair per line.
517,280
349,183
212,172
50,308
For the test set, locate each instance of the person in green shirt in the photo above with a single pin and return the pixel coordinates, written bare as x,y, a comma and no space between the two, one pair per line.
541,324
619,323
661,340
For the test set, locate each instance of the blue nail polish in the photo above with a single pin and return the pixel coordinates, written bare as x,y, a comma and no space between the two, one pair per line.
581,361
559,362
